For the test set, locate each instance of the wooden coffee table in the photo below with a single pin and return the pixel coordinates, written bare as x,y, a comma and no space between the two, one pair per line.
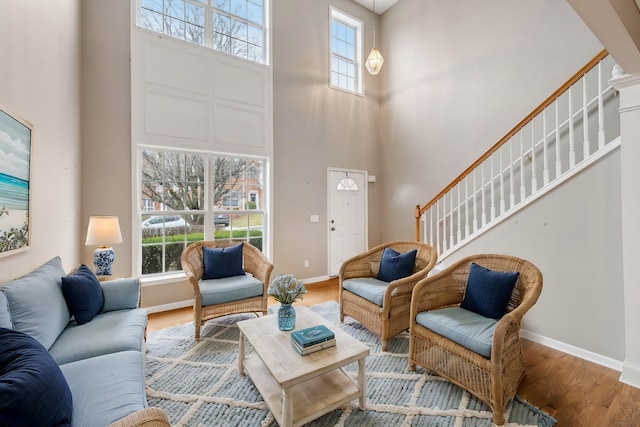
298,389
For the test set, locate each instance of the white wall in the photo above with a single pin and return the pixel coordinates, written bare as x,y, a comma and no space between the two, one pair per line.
40,48
316,127
106,123
476,72
457,77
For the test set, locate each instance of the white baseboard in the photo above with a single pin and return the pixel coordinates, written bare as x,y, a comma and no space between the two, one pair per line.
575,351
315,279
171,306
630,374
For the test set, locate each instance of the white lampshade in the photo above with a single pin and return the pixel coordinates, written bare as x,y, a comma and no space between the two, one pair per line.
374,62
103,230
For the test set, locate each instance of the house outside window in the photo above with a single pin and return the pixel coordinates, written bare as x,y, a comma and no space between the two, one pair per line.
236,27
196,196
253,200
231,200
346,52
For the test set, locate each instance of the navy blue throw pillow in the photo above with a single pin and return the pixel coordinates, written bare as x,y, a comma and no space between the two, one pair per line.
83,294
488,292
33,389
222,262
394,265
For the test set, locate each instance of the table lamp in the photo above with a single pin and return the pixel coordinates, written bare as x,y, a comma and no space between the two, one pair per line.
103,231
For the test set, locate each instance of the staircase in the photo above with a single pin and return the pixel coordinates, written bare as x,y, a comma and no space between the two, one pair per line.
573,128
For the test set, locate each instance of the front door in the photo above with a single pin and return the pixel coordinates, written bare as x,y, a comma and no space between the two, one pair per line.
347,216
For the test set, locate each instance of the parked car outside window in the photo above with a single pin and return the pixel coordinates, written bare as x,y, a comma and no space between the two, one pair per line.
221,219
164,221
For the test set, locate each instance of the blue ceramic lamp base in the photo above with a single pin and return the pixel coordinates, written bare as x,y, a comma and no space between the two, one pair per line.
103,258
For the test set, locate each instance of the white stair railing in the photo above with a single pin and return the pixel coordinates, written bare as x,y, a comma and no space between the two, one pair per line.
534,157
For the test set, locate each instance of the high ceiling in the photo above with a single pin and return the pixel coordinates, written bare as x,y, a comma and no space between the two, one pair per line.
616,23
381,5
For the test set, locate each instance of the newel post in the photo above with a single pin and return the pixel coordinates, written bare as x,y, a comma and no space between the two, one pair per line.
628,87
416,213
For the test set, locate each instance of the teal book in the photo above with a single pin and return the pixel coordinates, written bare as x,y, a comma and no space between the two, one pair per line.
303,351
312,336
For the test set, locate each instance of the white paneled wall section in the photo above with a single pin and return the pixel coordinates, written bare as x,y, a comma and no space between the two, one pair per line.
193,97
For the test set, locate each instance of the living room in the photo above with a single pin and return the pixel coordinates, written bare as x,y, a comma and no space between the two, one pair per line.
456,77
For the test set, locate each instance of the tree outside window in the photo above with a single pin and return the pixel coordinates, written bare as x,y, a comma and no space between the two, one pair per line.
174,204
237,26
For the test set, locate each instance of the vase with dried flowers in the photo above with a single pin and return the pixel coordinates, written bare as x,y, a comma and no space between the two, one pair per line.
286,289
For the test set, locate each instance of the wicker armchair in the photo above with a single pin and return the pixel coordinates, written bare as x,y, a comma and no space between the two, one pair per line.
493,380
392,317
148,417
255,262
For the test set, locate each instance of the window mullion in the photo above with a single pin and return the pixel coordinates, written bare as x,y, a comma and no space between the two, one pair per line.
208,24
209,227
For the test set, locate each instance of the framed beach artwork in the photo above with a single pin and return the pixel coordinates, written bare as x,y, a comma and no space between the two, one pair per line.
15,177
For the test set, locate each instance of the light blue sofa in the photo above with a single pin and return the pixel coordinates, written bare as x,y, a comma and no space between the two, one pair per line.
103,360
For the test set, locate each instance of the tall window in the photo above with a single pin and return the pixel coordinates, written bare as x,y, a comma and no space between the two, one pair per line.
346,52
236,27
196,196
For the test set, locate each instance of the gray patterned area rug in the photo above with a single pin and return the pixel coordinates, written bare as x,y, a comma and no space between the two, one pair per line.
197,384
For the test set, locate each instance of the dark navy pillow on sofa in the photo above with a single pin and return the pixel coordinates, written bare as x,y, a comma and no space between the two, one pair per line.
488,292
394,265
222,262
83,294
34,391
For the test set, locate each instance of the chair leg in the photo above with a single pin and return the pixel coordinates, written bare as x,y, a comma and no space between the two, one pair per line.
498,416
384,344
196,324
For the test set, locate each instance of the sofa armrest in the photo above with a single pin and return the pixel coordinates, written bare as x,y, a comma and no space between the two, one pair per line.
148,417
121,294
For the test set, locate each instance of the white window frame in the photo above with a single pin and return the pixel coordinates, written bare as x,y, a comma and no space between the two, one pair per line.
210,210
357,25
208,26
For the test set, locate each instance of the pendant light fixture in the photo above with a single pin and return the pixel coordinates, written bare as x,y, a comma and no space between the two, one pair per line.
375,60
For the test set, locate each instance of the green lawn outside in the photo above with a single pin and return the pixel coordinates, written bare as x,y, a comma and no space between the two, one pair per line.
241,222
195,237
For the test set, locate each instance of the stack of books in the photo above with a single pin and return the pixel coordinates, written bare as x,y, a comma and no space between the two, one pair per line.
309,340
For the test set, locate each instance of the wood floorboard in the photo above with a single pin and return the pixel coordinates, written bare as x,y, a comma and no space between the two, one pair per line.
576,392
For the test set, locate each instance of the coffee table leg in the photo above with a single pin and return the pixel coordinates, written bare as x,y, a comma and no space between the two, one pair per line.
241,354
287,408
362,384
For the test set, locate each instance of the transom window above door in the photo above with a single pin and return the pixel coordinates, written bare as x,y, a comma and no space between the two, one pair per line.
347,184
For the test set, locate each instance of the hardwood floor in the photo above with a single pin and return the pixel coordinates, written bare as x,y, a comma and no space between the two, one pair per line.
574,391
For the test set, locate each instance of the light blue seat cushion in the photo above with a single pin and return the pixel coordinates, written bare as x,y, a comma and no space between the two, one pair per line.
106,388
37,305
5,315
368,288
464,327
110,332
220,291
